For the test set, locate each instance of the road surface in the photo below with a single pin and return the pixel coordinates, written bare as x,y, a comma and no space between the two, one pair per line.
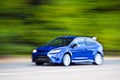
25,70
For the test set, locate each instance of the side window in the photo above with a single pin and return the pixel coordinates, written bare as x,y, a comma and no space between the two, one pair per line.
80,42
90,42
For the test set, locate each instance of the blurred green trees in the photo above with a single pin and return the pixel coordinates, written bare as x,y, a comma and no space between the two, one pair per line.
27,24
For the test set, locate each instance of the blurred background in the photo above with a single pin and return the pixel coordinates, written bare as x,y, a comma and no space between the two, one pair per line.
27,24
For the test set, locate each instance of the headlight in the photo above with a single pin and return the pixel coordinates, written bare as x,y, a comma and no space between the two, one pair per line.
55,51
34,51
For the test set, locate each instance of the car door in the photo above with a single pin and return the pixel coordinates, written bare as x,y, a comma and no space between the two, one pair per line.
78,51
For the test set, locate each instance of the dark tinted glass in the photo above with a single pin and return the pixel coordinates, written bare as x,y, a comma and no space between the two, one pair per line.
60,42
90,42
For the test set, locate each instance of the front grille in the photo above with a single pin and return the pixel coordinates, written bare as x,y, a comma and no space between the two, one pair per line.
42,58
42,51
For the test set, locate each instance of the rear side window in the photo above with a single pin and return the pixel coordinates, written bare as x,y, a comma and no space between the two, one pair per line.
80,41
90,42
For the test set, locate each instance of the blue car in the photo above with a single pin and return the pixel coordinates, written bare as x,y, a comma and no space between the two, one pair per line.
69,49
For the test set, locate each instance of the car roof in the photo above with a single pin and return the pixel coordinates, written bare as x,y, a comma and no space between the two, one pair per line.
73,37
68,37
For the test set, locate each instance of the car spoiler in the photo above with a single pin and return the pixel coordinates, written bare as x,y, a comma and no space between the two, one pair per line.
94,38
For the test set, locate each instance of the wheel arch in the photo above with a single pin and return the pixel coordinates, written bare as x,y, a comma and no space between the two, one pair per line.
68,53
97,62
70,57
100,53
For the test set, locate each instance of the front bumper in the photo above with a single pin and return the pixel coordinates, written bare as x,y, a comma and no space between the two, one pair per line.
41,58
46,58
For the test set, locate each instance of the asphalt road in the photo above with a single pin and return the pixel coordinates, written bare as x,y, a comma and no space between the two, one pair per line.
25,70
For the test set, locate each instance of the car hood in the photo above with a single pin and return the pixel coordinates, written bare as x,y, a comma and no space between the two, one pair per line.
46,48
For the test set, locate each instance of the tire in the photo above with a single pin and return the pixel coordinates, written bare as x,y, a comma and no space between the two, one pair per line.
98,59
39,63
66,60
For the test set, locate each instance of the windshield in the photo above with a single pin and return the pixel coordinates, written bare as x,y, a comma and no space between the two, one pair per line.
60,42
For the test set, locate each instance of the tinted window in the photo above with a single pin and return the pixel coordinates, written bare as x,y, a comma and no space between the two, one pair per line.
90,42
80,41
60,42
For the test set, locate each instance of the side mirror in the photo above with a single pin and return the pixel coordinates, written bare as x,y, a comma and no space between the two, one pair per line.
73,45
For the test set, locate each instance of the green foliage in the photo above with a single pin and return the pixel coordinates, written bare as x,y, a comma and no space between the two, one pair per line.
26,24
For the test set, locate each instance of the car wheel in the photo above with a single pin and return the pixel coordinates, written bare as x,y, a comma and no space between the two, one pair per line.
98,59
39,63
66,60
